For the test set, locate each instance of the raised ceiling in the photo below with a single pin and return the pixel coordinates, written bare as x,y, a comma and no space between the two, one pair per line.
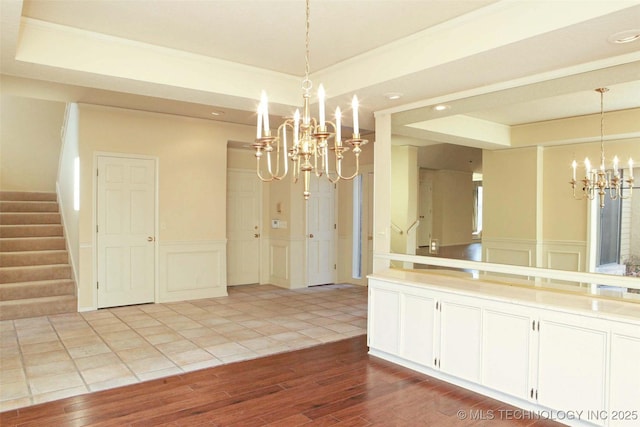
508,62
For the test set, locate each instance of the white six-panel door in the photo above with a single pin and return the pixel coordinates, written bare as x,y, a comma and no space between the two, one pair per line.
125,231
243,228
321,232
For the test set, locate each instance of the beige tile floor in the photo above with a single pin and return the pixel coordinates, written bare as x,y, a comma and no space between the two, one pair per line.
53,357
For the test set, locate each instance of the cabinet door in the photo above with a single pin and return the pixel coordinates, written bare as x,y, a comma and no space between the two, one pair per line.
460,340
571,363
384,319
507,341
417,329
624,386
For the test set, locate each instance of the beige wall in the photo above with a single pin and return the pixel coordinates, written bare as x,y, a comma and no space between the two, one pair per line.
238,158
29,143
192,165
510,193
452,207
192,162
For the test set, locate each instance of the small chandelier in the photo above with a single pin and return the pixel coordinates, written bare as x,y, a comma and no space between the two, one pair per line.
312,138
598,181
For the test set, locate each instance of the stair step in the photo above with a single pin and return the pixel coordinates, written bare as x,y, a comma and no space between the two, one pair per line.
28,218
36,307
34,273
18,244
37,289
28,196
27,258
38,230
28,206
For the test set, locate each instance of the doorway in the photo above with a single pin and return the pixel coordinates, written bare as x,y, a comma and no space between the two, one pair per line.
609,233
321,232
244,198
125,232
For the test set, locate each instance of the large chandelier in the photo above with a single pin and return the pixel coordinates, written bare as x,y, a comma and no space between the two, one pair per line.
311,138
599,181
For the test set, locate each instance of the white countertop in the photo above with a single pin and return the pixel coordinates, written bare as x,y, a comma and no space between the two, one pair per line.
517,292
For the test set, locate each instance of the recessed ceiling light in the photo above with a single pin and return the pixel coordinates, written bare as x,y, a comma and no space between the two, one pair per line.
217,113
627,36
393,95
441,107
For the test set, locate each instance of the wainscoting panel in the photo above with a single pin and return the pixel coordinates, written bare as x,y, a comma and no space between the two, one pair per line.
565,255
279,262
509,251
192,270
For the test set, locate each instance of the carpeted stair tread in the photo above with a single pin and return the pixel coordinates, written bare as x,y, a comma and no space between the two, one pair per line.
35,272
38,230
27,258
27,206
19,244
37,289
28,196
28,218
36,278
36,307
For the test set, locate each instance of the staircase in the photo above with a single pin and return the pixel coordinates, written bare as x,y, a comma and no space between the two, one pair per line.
35,275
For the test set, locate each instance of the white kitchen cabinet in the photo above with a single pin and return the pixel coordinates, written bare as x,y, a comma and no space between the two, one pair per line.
384,319
624,385
417,337
571,363
508,348
460,348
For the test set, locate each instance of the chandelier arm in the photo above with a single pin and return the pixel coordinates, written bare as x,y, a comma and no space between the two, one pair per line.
277,175
326,169
260,174
354,174
318,171
269,163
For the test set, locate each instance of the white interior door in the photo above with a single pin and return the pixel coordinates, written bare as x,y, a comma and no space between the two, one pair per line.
369,223
243,228
321,232
126,231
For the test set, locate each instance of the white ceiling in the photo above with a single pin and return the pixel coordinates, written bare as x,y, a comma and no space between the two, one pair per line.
505,61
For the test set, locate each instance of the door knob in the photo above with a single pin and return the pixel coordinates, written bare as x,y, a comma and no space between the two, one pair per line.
256,235
311,236
149,239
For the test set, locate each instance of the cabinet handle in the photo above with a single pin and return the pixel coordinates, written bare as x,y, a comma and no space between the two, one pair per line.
536,394
533,328
532,393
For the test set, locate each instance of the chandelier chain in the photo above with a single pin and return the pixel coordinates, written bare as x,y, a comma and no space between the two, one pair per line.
306,84
602,91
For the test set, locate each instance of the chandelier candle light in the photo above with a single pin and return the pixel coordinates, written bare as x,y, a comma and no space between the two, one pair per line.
599,180
310,148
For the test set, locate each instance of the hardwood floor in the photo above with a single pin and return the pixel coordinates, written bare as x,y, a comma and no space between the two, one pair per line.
335,384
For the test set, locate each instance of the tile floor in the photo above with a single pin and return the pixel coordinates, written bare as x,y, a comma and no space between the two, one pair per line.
49,358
